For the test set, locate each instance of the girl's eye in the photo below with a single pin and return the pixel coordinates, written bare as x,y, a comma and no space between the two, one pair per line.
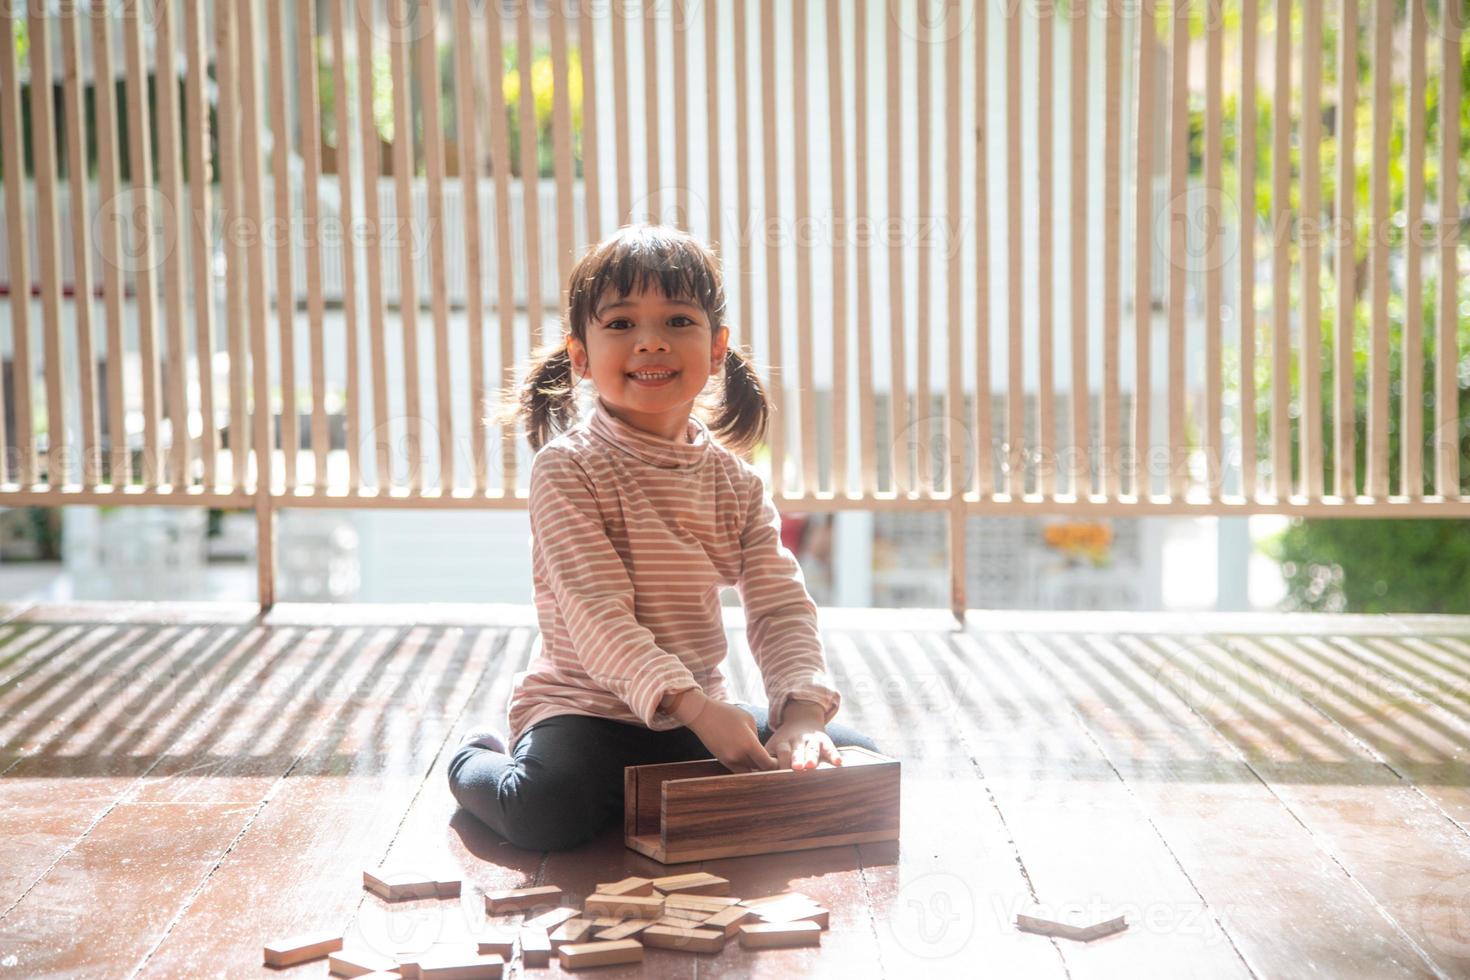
619,323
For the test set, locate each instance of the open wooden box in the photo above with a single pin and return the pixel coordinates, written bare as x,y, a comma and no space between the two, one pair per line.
695,811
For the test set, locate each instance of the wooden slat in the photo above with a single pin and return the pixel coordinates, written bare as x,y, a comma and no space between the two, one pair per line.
48,240
1212,434
170,166
400,43
196,128
591,176
1140,481
1281,220
1110,424
621,122
505,272
426,60
1310,448
651,118
467,132
745,310
1079,30
954,319
1382,68
921,432
715,233
1411,403
18,268
770,177
984,425
530,176
1015,476
562,149
283,241
231,185
259,303
81,242
1178,244
109,244
862,218
1045,298
1246,299
840,317
308,104
806,422
1446,353
352,418
373,246
1345,271
898,396
140,170
682,139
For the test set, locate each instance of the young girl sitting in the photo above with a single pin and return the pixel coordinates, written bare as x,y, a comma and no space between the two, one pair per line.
639,515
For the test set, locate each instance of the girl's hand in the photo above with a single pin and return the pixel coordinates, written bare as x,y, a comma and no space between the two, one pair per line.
730,734
801,744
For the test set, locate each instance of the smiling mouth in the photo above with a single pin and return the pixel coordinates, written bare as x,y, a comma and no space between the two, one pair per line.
652,377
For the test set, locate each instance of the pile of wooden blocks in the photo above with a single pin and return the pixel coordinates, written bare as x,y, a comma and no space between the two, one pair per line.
690,913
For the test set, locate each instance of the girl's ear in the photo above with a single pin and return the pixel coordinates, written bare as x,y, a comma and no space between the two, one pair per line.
717,351
577,354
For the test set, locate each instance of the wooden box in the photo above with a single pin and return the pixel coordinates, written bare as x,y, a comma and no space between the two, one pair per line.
696,811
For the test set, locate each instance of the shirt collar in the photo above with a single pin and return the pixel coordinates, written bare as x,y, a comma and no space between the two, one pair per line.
651,449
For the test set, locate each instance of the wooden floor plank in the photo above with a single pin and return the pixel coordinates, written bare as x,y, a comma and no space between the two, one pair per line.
1288,908
298,863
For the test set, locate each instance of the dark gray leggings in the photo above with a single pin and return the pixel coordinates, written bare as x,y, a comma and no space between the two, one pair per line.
562,784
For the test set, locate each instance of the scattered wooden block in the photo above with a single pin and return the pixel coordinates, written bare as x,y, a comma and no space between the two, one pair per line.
795,911
462,968
521,899
623,930
382,975
501,941
606,922
772,935
694,883
358,963
552,919
570,931
535,947
398,886
729,920
624,906
701,903
448,887
628,886
1065,930
302,948
683,940
697,811
575,956
687,915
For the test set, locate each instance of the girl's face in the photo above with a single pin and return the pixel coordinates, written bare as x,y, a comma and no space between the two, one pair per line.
649,357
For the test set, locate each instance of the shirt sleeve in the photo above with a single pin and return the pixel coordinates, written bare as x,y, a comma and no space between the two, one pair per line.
780,616
593,590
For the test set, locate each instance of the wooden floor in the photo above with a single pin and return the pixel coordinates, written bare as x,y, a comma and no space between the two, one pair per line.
1262,796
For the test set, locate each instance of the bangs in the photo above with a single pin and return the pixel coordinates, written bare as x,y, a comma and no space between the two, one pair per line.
646,258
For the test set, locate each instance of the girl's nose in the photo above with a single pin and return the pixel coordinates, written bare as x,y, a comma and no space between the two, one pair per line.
654,342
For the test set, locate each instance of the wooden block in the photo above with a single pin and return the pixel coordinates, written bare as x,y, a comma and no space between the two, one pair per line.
1065,930
382,975
729,920
793,912
698,811
771,935
521,899
687,915
624,906
628,886
302,948
535,947
552,919
575,956
570,931
694,883
501,940
701,903
606,922
462,967
399,886
448,887
683,940
408,962
623,929
358,963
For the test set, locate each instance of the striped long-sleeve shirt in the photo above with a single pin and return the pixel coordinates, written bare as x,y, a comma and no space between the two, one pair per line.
632,538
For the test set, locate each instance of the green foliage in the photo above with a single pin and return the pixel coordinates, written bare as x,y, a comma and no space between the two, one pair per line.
1376,566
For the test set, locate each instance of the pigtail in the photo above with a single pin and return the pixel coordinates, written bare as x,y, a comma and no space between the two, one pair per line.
546,401
745,409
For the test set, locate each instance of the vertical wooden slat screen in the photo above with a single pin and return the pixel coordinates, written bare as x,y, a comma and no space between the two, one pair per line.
897,453
1045,178
343,156
680,9
772,215
984,456
1015,477
1245,302
505,283
1079,476
954,284
651,119
1143,251
170,183
1446,348
840,234
373,248
561,115
311,239
530,175
197,131
1345,270
466,122
1411,404
744,332
1178,244
400,45
1381,62
76,178
1212,442
109,243
48,240
921,432
867,411
226,57
426,62
17,267
587,39
1110,425
621,123
807,419
1310,442
284,233
1281,256
140,169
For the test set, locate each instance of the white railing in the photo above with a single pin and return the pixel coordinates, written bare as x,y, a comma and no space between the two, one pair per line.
871,175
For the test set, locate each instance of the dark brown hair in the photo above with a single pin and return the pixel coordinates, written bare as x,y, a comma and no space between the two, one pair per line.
636,258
